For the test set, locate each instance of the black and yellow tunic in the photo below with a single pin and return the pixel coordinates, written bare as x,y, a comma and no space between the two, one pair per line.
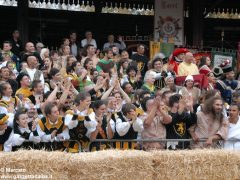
26,135
5,101
131,134
4,137
48,128
102,134
79,132
160,83
25,92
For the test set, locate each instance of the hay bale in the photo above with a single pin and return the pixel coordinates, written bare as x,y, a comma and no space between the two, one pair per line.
97,165
197,164
113,164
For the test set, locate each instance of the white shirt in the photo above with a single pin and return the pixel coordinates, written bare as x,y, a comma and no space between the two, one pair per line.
90,125
31,73
84,42
120,46
47,138
74,50
35,139
234,135
122,128
7,146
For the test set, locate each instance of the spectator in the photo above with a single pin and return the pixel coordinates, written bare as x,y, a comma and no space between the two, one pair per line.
6,134
91,53
17,46
5,77
105,65
154,118
51,128
187,67
32,70
183,117
210,124
111,42
88,40
234,128
141,59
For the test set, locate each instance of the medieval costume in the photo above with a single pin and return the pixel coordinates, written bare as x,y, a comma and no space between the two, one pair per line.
81,125
227,86
46,127
206,127
175,61
6,135
156,130
126,129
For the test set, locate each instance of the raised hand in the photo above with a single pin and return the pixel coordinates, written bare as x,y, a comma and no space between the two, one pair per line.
34,125
182,105
117,85
189,103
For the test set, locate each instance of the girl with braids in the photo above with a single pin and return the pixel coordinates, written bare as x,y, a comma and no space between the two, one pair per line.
24,130
104,126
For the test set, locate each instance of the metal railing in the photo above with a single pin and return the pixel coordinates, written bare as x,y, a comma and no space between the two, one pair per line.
52,146
182,143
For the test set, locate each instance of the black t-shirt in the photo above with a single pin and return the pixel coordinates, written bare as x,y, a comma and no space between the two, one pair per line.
13,84
178,128
17,47
142,63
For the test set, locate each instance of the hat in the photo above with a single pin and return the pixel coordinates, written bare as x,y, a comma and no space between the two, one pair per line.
204,70
40,45
189,77
226,66
178,51
3,119
217,71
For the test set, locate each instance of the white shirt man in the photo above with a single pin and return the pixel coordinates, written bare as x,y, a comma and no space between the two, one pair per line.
89,40
233,137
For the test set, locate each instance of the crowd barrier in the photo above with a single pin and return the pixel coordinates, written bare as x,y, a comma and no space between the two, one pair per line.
185,143
54,145
124,144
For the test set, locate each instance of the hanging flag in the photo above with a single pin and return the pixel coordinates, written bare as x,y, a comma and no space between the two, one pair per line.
154,48
169,21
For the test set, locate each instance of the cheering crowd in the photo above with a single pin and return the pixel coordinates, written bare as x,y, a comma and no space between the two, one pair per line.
66,99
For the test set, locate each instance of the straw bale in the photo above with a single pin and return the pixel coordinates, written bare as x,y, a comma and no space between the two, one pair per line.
110,164
114,164
197,164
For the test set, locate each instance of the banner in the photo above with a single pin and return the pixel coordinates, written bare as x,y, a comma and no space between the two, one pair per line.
167,48
154,48
220,55
169,21
219,59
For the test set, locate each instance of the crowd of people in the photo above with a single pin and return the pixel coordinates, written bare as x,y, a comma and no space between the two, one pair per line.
69,99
